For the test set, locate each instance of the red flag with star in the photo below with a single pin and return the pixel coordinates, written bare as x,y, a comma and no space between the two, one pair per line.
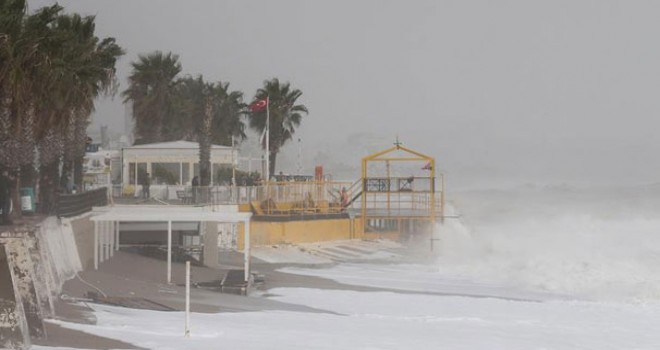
259,105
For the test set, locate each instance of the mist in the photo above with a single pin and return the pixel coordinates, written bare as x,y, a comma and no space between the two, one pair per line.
502,94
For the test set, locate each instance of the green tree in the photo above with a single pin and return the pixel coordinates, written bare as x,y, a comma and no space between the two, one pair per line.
209,113
221,121
85,70
285,116
23,68
189,108
53,67
152,91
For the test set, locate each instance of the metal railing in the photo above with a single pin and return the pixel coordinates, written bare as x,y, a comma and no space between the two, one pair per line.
410,204
281,192
69,205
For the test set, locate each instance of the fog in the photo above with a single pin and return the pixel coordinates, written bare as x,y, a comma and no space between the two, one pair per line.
502,93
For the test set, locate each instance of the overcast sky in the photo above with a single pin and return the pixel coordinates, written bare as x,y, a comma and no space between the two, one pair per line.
501,92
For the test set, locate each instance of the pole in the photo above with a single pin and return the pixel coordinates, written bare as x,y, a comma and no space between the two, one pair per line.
111,237
105,237
187,329
169,252
96,245
116,235
299,157
101,241
136,176
234,160
106,231
246,250
267,138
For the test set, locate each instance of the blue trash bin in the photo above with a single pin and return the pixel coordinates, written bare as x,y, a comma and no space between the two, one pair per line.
28,202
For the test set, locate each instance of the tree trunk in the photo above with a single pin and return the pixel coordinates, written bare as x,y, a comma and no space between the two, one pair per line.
15,184
65,176
48,187
28,175
78,173
205,146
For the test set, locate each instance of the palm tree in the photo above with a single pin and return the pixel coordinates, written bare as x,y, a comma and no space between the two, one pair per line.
152,86
228,125
53,67
24,57
285,116
189,108
221,124
215,112
86,71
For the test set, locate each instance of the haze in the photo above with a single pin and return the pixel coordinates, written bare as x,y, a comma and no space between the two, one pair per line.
501,93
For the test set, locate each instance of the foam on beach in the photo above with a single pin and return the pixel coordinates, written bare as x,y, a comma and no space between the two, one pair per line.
588,244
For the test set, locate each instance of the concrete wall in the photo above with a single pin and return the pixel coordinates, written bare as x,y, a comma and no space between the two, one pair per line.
308,231
210,233
303,231
22,269
83,233
149,237
34,263
13,327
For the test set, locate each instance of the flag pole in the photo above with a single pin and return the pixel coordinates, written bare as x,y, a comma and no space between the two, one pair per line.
267,139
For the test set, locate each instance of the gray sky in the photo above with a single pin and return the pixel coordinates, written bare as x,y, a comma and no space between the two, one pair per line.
500,92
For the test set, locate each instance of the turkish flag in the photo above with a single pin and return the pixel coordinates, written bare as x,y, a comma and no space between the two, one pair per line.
259,105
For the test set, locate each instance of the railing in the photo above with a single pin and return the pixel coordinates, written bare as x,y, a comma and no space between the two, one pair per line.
410,204
69,205
398,184
407,198
281,192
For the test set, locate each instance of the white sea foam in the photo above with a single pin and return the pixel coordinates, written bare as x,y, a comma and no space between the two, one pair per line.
599,244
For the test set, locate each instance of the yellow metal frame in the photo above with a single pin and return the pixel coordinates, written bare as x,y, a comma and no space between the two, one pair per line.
382,156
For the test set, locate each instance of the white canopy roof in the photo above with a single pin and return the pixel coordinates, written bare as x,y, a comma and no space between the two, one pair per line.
164,213
174,145
176,152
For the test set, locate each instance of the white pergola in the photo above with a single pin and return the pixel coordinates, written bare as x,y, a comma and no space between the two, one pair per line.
106,226
184,153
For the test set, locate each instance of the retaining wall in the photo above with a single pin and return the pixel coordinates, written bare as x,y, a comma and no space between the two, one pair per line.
34,264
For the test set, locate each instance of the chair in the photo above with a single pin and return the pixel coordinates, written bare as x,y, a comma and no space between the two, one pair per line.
184,196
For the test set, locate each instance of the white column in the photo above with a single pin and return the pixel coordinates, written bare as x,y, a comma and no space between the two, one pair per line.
99,225
191,170
135,186
181,173
101,241
111,235
187,328
117,235
125,174
246,250
211,180
96,245
106,241
103,238
169,252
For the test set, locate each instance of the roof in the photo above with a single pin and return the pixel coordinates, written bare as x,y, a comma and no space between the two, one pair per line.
397,152
164,213
174,145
